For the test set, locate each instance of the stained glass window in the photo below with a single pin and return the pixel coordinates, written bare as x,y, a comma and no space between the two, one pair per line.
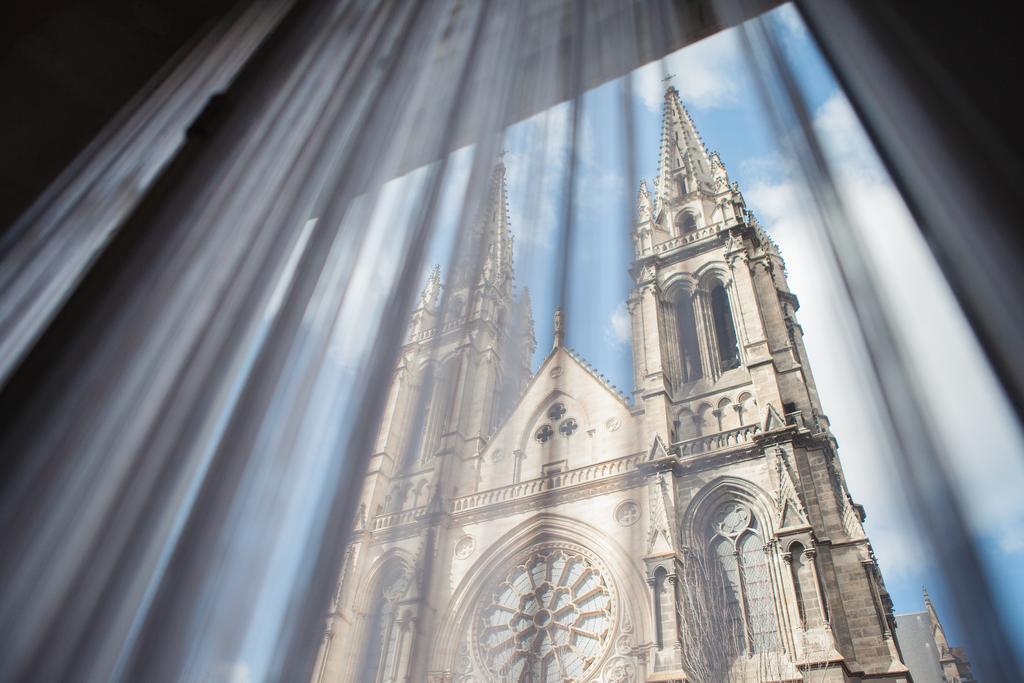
549,619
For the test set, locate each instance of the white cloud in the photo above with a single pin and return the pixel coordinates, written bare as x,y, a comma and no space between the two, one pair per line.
705,74
618,331
939,350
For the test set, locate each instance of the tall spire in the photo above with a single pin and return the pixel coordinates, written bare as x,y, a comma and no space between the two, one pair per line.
683,154
487,256
497,232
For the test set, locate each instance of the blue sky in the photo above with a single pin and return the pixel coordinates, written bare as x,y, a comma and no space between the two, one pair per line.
719,92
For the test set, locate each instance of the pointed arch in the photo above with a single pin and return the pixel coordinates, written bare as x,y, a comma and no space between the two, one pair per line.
803,577
441,413
689,357
729,524
382,619
698,513
686,222
560,418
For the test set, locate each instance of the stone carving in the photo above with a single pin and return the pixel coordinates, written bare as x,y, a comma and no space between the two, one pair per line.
556,372
613,424
464,547
627,513
619,669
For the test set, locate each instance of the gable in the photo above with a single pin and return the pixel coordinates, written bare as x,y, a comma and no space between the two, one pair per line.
568,417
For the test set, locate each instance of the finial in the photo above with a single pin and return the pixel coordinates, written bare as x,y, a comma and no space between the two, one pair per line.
432,290
559,332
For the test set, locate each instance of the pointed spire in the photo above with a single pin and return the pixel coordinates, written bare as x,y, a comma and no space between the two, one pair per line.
497,231
559,335
681,148
526,322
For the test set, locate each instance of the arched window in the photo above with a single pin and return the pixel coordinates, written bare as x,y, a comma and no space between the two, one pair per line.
725,330
686,328
681,184
660,574
687,223
803,581
458,307
441,409
384,630
748,609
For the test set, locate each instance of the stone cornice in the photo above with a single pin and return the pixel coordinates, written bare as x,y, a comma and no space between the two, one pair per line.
554,489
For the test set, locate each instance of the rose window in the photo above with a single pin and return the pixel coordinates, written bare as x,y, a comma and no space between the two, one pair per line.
550,619
568,427
544,433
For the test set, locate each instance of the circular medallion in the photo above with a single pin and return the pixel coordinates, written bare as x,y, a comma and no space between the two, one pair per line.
556,372
497,456
464,547
627,513
613,424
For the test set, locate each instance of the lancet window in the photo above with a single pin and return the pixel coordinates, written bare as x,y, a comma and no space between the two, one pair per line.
725,329
686,329
747,609
386,632
681,184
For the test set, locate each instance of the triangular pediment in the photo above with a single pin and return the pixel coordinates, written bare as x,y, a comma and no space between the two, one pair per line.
658,449
790,517
772,420
537,436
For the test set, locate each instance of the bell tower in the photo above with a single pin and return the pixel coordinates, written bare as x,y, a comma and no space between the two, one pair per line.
464,364
710,304
727,396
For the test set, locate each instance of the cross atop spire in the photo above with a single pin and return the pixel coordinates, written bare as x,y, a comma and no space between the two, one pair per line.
559,335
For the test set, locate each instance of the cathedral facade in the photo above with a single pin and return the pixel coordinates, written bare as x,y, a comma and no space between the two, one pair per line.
519,526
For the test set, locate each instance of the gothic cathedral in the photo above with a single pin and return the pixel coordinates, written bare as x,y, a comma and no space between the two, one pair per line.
519,526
